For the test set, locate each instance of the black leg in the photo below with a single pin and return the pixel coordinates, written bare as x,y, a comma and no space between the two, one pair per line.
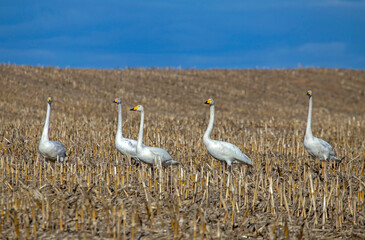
222,165
153,172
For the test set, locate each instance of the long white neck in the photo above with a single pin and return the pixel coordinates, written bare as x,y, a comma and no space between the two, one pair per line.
210,125
46,124
119,134
308,131
140,134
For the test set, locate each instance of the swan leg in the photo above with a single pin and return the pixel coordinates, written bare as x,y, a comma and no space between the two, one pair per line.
222,166
45,162
336,163
137,162
152,171
229,168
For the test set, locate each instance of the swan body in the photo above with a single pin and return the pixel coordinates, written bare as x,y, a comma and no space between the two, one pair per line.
150,155
222,151
50,150
316,147
124,145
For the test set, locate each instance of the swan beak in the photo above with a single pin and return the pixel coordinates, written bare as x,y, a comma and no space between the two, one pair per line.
134,109
115,101
208,101
309,93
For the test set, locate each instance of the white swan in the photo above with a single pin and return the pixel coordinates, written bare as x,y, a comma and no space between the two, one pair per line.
222,151
50,150
150,155
316,147
124,145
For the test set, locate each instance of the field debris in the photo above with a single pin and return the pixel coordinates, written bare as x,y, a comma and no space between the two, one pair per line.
97,193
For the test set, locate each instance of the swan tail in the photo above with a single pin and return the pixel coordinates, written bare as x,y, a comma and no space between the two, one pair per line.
246,161
336,159
171,162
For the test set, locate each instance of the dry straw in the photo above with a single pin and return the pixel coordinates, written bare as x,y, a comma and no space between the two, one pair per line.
98,193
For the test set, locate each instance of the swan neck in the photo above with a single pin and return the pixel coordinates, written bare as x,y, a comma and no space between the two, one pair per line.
46,124
211,122
140,134
308,131
120,127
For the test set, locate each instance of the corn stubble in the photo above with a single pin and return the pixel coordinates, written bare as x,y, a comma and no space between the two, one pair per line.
98,193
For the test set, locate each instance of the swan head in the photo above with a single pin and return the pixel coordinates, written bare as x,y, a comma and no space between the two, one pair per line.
49,100
117,101
210,101
309,93
138,108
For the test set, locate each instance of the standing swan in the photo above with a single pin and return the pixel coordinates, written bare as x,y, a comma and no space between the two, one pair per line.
150,155
222,151
316,147
50,150
124,145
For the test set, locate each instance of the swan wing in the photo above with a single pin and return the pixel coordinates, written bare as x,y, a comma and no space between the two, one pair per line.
52,150
332,153
129,143
216,149
320,148
326,145
225,151
59,148
127,147
160,153
152,154
236,153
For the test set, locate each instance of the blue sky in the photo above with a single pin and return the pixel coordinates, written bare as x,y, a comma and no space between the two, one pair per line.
187,34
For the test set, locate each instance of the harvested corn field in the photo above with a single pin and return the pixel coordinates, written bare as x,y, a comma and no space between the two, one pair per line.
99,193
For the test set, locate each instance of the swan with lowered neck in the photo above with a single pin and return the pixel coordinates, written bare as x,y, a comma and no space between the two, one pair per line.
150,155
222,151
50,150
124,145
316,147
